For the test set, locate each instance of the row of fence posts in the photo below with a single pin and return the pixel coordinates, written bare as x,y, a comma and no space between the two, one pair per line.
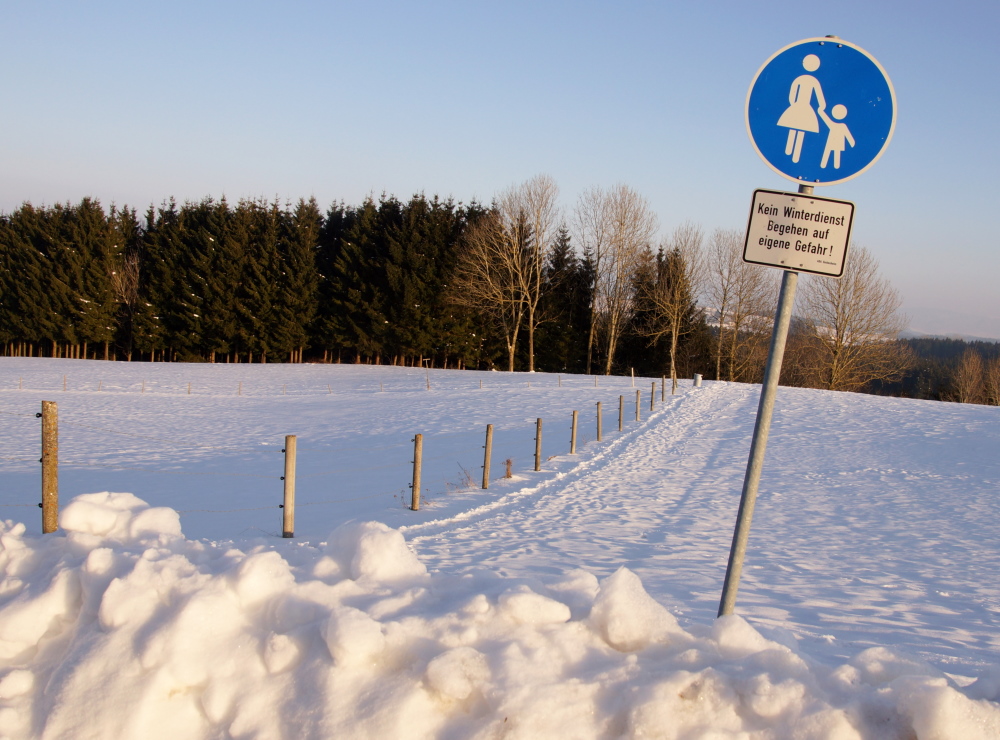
50,458
418,440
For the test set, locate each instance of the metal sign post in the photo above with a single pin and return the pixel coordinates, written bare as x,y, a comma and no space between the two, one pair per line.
819,112
761,430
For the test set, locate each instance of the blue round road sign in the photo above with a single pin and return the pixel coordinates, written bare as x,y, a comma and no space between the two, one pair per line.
820,111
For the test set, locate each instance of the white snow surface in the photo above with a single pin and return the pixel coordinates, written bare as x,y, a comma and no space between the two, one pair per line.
578,601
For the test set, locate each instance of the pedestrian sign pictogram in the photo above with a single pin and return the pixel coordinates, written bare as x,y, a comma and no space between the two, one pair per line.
820,111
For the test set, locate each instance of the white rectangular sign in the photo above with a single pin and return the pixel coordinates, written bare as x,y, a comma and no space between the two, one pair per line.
799,232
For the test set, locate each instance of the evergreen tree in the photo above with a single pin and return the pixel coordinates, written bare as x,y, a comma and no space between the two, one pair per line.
562,337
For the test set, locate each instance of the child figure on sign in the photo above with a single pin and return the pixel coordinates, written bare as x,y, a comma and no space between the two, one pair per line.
838,137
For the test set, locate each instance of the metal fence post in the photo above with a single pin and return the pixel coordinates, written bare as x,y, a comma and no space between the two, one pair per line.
538,445
572,435
486,457
288,507
418,455
50,466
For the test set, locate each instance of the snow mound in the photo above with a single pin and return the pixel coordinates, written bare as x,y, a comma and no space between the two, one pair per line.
118,626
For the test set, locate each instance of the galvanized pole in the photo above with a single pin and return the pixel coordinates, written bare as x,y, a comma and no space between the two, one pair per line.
762,428
418,461
652,398
638,400
486,457
50,466
598,421
621,411
538,445
288,513
572,435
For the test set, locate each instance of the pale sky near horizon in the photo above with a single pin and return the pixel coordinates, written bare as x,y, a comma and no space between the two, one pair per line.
133,103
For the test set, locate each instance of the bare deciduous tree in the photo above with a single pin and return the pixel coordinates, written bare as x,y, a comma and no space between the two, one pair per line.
591,225
530,217
670,298
614,228
743,297
849,328
993,382
501,269
970,378
485,279
125,284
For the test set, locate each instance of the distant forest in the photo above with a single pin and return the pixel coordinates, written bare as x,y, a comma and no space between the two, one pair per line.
263,282
394,282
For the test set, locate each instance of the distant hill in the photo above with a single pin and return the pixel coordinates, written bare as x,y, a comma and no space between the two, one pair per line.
911,334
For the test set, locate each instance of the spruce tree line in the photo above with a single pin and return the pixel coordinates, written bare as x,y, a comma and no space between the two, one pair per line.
263,281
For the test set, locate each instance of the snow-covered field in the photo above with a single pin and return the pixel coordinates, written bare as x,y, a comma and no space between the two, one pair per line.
574,602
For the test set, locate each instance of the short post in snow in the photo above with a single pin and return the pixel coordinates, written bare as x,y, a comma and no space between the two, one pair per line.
633,376
538,445
50,466
572,435
486,457
288,506
652,398
598,421
663,389
638,400
621,411
418,458
697,380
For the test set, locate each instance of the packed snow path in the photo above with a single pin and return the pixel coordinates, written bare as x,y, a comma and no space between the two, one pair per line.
865,533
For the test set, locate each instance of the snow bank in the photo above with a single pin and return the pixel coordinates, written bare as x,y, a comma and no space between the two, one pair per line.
120,627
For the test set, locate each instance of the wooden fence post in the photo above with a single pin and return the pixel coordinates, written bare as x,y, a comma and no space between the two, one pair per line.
288,515
418,456
50,466
486,457
572,435
538,445
638,399
621,411
598,421
652,398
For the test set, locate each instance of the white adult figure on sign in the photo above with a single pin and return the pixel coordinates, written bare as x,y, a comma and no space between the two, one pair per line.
838,136
800,117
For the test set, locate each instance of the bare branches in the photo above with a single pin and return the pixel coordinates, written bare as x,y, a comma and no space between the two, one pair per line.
614,227
850,328
529,215
669,299
742,297
501,269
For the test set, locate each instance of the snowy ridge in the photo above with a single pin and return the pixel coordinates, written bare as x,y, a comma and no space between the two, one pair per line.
121,627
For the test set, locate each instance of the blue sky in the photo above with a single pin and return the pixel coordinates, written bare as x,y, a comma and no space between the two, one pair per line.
136,102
